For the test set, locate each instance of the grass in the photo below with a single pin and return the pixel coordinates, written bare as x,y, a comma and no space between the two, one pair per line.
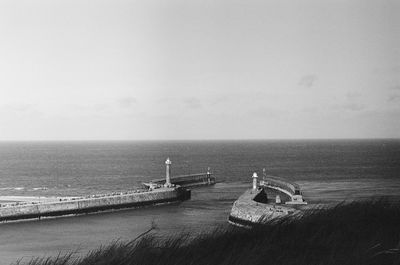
355,233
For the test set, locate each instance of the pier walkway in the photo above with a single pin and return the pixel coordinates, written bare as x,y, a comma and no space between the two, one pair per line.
289,188
200,179
271,198
18,208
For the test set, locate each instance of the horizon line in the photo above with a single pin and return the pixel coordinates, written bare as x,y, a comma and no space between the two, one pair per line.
199,139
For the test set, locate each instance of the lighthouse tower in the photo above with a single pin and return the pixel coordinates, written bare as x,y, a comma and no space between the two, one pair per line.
168,173
255,181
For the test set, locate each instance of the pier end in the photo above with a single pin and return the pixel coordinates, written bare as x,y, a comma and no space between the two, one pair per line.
168,173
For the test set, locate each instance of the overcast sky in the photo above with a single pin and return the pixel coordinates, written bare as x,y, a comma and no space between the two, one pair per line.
219,69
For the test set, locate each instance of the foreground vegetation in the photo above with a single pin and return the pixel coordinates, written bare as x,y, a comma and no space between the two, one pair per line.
355,233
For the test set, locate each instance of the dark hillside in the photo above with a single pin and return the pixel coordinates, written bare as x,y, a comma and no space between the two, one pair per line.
355,233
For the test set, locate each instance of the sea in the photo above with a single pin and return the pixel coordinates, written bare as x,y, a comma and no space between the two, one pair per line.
328,172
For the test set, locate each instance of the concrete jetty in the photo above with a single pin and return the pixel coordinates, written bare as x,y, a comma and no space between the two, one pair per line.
289,188
152,195
269,199
191,180
247,212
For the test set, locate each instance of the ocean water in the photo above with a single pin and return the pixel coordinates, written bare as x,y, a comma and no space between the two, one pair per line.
328,171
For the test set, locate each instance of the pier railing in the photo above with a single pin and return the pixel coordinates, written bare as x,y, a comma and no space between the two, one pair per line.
189,180
290,188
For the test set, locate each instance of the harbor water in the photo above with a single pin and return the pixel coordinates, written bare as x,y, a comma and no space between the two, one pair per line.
328,171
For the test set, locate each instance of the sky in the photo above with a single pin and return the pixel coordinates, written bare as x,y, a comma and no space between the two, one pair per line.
184,69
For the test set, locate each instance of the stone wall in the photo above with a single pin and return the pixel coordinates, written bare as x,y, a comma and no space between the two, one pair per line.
87,205
245,211
190,180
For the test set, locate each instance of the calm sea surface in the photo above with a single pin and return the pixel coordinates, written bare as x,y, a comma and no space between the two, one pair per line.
327,171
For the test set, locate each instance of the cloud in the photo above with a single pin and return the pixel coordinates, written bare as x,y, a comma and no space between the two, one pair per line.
393,98
86,108
100,107
217,100
16,111
19,107
395,87
349,106
387,70
308,80
266,112
353,95
127,102
309,109
193,103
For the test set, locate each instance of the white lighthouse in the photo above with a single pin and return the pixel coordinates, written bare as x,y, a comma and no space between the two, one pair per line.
255,181
168,173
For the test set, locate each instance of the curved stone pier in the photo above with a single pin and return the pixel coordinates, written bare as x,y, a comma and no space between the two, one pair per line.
247,212
273,198
289,188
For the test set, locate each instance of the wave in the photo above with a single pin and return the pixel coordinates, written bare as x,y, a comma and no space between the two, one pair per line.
13,188
23,188
40,188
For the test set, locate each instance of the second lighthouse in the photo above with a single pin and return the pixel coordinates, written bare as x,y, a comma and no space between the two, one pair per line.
168,173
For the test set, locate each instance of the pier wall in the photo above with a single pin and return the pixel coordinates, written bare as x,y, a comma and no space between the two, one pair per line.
255,207
190,180
87,205
289,188
247,212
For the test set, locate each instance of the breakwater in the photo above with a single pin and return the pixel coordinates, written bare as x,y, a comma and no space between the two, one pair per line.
247,212
289,188
93,203
162,192
192,180
270,199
